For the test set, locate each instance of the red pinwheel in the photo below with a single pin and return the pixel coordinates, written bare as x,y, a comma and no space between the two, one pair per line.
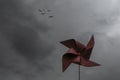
78,53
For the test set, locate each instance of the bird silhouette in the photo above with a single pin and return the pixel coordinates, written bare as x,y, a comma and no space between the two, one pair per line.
45,11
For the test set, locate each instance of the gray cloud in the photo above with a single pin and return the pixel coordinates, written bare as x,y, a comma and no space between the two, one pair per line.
23,51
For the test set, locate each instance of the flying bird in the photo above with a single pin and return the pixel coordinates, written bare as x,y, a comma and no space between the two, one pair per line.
39,10
49,10
45,11
78,53
51,16
42,12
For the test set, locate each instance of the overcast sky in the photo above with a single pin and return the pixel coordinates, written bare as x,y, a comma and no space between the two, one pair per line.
29,42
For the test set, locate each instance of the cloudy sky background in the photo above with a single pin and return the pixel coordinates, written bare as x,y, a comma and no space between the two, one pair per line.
29,42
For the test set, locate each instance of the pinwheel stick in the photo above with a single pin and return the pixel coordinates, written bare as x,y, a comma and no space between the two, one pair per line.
78,72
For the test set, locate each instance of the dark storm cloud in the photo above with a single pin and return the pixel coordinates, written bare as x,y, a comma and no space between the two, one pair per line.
22,49
19,25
